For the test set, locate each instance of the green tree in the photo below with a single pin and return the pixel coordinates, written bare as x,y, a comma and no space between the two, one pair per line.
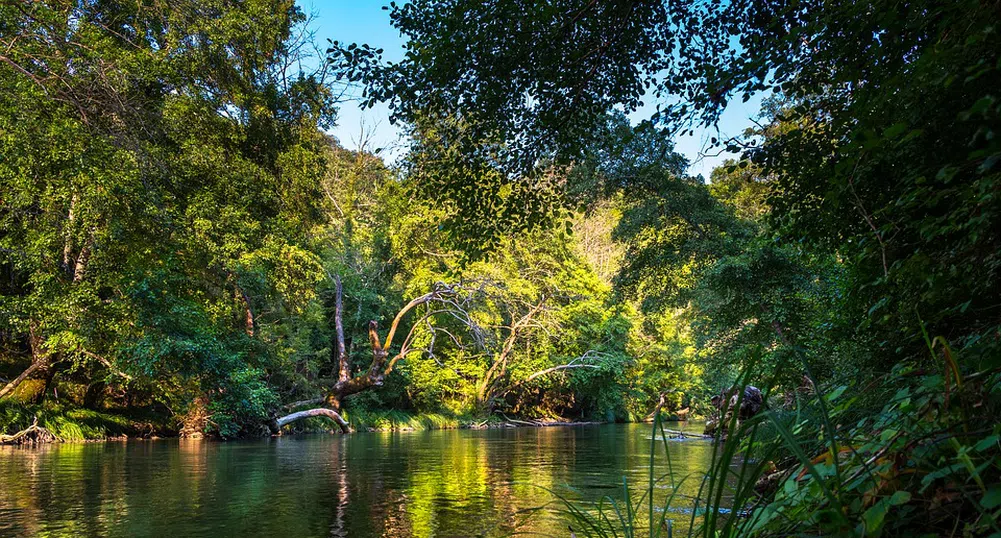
891,163
160,171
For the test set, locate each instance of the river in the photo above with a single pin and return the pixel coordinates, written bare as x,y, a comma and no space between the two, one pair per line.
424,484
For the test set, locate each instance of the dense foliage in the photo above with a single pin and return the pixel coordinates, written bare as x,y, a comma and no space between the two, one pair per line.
175,224
856,235
159,176
184,250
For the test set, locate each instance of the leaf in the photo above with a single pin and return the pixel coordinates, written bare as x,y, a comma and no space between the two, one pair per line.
992,499
895,130
790,487
900,497
834,394
874,517
887,434
986,443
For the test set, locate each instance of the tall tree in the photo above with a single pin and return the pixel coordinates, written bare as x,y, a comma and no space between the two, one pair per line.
161,167
893,163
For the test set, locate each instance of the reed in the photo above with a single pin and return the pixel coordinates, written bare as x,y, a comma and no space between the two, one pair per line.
924,462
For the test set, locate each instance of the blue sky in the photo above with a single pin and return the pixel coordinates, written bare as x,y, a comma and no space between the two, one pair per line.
364,21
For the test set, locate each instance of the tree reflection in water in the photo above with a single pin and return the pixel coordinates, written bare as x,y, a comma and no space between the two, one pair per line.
443,483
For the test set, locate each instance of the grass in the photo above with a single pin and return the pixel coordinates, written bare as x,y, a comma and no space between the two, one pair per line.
393,420
926,462
66,422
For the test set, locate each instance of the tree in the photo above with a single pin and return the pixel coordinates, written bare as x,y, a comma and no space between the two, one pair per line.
346,384
161,166
890,163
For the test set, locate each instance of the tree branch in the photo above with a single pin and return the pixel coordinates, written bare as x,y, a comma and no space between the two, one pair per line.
9,388
277,424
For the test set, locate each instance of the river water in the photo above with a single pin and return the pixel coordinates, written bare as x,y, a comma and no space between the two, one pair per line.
437,483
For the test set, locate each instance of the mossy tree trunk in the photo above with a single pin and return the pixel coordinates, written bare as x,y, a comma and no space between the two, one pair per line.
33,383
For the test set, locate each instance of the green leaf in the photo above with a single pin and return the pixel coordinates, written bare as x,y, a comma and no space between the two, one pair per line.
992,499
986,443
895,130
874,517
900,497
834,394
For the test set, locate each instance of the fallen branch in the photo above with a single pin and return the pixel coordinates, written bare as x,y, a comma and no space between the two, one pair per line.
524,422
9,388
33,434
679,433
515,421
276,424
675,433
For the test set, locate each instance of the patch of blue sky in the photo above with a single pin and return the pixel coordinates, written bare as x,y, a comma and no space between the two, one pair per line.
364,21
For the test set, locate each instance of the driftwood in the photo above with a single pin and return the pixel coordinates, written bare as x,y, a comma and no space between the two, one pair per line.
33,434
276,424
514,423
521,422
674,434
746,403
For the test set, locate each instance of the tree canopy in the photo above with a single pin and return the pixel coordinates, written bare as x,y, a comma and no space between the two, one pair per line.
183,244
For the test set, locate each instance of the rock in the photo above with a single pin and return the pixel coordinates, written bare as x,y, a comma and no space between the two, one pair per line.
750,405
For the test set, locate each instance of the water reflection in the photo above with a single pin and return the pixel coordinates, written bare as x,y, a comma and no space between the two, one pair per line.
445,483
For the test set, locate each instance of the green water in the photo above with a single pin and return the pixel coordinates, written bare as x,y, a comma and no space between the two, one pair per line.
440,483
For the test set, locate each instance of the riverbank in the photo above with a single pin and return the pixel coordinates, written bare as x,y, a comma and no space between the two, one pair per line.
57,422
29,424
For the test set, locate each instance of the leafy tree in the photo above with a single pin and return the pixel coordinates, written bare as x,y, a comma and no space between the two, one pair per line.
160,169
891,162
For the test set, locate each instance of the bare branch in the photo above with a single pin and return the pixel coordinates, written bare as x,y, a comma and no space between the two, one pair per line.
278,423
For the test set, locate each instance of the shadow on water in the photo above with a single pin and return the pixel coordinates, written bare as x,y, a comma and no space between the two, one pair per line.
440,483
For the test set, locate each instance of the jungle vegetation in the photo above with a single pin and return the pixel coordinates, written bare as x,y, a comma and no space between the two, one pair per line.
183,250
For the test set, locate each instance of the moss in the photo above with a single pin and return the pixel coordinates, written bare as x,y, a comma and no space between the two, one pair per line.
29,390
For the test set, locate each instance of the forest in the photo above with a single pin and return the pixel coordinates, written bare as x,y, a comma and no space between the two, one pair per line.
186,251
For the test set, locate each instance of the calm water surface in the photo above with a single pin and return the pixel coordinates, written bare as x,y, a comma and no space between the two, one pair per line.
440,483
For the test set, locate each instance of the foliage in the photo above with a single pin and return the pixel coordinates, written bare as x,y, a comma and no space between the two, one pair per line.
180,236
862,212
159,172
887,153
917,466
70,423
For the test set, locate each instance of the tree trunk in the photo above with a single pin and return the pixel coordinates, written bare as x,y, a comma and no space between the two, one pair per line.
81,261
249,321
196,418
93,398
68,240
343,368
34,381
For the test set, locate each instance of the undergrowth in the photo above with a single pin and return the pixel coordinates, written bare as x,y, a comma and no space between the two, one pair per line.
927,462
70,423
